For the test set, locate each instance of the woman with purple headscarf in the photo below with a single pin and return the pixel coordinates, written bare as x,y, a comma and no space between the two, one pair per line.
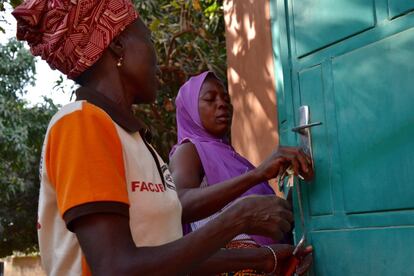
208,172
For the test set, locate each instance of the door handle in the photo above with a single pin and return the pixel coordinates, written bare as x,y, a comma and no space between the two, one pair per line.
300,128
303,130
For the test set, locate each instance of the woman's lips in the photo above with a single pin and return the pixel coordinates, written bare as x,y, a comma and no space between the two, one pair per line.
223,119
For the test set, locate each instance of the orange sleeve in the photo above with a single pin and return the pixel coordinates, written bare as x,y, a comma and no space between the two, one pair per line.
84,159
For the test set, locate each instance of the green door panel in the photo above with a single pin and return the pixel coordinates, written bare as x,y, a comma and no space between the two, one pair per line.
311,93
398,7
374,104
341,220
359,252
318,23
352,63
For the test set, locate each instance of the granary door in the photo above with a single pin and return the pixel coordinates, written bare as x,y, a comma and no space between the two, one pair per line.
352,63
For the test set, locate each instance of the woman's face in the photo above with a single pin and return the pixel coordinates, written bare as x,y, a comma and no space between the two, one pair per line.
214,107
140,64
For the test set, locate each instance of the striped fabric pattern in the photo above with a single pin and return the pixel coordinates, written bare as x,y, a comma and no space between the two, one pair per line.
71,35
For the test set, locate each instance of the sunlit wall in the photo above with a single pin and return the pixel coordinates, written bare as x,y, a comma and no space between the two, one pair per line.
251,77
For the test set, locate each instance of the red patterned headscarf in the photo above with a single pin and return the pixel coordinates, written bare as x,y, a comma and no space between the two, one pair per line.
71,35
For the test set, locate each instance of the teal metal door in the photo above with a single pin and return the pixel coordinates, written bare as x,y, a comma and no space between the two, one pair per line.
352,63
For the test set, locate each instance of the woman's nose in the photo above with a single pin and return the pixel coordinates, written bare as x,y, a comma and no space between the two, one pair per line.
222,103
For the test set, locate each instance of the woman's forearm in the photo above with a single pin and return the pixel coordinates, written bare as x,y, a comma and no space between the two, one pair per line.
107,243
200,251
110,250
199,203
189,253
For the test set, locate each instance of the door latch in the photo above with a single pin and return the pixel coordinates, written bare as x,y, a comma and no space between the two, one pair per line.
303,129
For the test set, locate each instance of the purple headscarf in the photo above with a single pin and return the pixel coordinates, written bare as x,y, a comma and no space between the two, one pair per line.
219,159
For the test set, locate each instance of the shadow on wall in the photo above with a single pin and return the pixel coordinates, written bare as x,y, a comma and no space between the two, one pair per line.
251,77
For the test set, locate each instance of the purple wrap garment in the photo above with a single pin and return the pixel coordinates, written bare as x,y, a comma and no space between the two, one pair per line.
219,159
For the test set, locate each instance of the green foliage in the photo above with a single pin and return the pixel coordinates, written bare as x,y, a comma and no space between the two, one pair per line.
20,183
189,38
15,77
22,129
13,3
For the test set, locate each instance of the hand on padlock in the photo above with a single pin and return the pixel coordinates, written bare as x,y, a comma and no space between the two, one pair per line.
283,158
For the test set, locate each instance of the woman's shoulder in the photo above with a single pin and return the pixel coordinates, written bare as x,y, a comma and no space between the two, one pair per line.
82,110
185,155
185,149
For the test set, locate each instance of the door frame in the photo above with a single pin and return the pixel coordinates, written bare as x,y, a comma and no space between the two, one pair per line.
284,90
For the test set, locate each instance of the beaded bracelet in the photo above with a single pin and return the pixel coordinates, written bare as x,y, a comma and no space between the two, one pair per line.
275,258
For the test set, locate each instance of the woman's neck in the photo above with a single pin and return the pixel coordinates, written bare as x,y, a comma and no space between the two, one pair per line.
110,85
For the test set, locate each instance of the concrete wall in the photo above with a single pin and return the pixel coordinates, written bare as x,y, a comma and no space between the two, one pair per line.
23,266
251,77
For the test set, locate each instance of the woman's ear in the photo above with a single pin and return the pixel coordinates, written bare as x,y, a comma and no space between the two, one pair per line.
117,47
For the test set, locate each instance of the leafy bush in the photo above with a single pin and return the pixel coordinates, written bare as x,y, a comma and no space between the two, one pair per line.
22,129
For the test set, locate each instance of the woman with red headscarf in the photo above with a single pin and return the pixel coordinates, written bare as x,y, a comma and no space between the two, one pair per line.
107,204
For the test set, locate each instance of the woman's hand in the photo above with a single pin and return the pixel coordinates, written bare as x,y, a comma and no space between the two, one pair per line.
306,259
284,254
268,216
281,159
